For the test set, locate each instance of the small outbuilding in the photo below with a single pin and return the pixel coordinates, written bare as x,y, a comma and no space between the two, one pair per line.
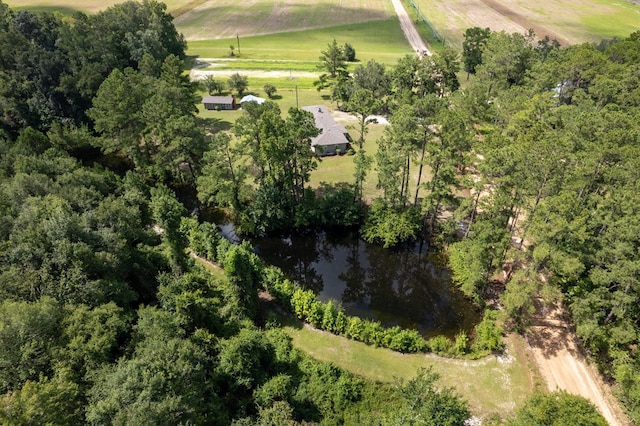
251,98
219,102
333,137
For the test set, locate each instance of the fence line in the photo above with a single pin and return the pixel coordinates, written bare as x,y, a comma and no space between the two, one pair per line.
424,19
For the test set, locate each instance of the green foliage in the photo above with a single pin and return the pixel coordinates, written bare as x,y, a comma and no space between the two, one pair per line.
91,337
162,384
269,89
389,226
245,272
337,206
468,268
488,334
440,345
475,39
334,67
425,404
461,344
211,85
558,408
239,83
45,402
275,389
29,334
349,52
203,238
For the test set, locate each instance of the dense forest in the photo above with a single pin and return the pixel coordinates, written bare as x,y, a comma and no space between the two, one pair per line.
106,319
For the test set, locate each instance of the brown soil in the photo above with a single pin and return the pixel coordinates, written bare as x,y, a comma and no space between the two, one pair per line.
409,29
562,365
525,23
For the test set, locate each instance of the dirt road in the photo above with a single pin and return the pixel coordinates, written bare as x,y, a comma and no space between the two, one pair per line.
556,353
409,29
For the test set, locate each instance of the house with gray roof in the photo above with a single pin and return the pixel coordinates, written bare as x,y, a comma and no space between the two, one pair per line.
219,102
333,137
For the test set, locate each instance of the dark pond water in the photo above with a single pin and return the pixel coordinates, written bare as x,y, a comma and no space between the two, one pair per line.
396,287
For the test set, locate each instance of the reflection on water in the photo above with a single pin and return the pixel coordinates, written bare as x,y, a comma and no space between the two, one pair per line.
396,287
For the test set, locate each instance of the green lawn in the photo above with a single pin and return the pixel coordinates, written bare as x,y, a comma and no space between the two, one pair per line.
381,40
616,19
490,385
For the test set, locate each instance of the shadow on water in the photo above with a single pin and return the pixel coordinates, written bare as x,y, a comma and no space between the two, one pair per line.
396,287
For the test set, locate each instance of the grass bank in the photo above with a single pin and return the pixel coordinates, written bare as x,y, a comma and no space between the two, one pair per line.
492,386
381,40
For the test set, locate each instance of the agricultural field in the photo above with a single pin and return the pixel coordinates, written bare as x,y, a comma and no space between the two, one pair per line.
570,21
175,7
219,19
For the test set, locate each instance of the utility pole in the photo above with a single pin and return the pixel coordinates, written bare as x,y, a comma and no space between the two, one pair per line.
238,38
297,106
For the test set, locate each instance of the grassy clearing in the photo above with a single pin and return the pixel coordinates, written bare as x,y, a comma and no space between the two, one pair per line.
381,40
259,65
219,19
490,385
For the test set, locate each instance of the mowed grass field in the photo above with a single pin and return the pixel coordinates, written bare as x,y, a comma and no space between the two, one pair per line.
381,40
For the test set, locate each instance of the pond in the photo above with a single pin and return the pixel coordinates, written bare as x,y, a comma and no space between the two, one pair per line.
403,287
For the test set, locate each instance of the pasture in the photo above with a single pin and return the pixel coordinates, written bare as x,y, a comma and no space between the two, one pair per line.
570,21
381,40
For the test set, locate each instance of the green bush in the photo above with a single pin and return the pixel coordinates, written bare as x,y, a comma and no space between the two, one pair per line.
440,345
461,344
355,327
315,313
488,333
203,238
329,317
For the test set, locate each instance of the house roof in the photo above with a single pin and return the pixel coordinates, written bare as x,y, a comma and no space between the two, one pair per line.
332,132
251,98
217,100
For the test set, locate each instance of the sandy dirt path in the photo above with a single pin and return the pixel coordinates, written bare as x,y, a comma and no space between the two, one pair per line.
409,29
560,362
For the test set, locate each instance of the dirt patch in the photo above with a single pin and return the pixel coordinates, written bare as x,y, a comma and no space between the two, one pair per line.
562,366
409,30
523,22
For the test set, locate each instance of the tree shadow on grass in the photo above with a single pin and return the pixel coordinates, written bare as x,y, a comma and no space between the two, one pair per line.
215,125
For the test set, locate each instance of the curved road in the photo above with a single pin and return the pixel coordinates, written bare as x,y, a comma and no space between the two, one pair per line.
409,29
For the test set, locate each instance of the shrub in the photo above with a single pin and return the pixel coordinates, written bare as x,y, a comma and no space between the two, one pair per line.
440,345
461,344
315,313
355,328
329,316
373,333
341,323
488,333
